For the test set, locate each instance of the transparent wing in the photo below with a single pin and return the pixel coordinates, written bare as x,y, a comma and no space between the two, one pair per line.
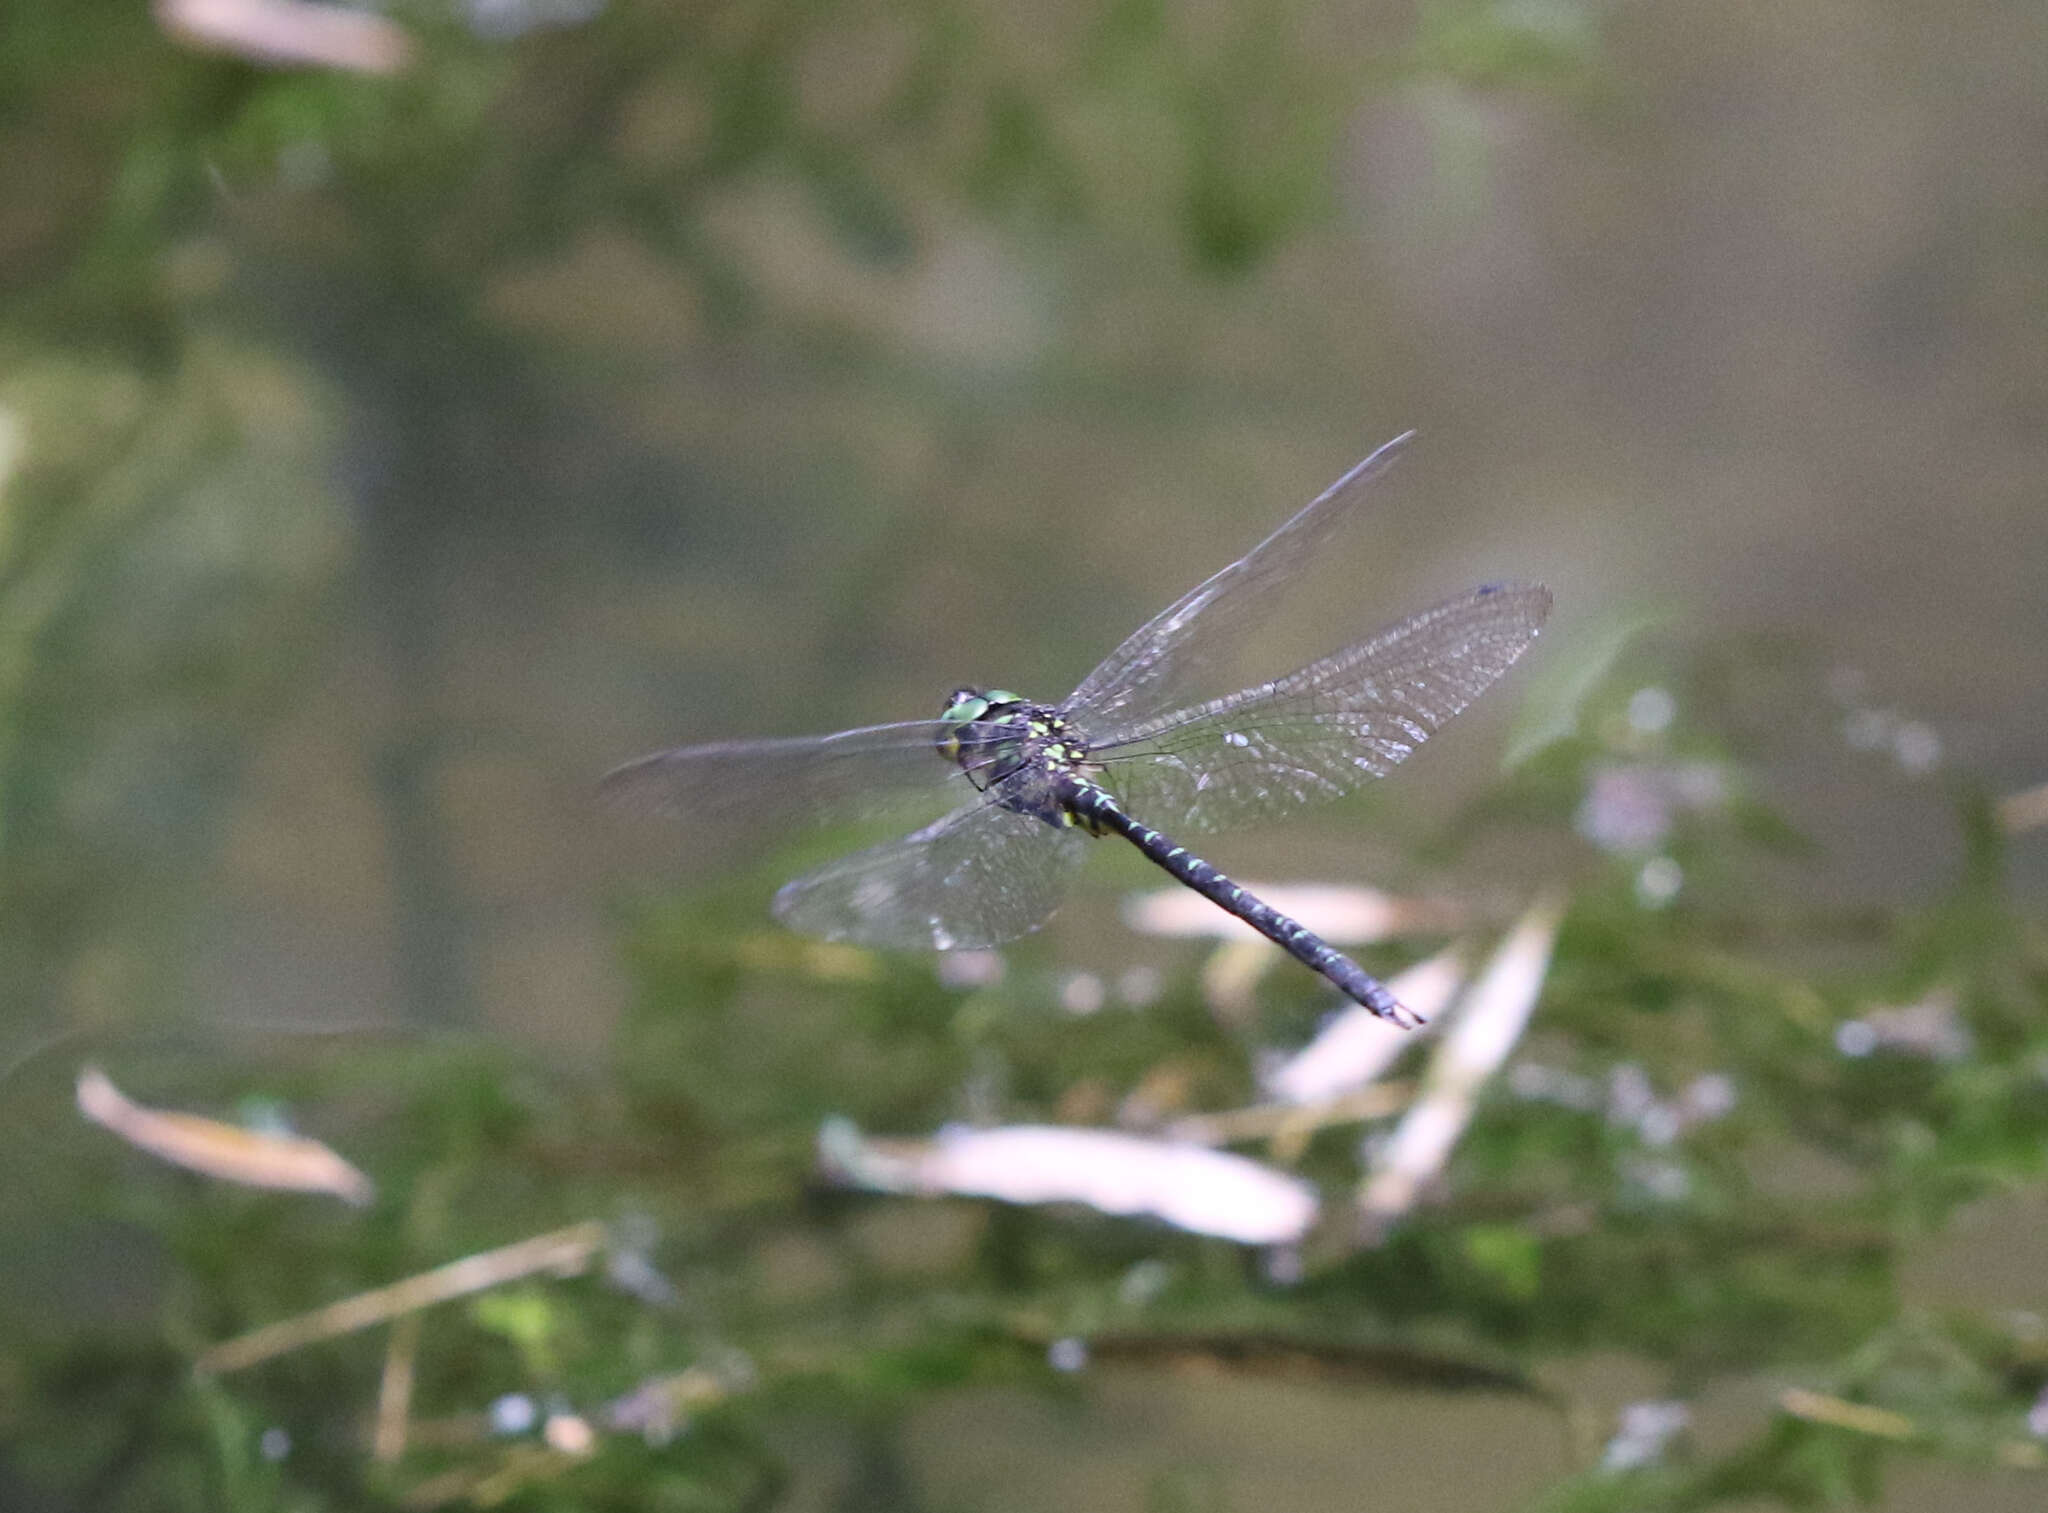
1328,728
1161,664
978,877
765,784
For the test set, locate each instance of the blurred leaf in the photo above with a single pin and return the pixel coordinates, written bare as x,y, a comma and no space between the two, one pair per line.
867,219
1511,1256
526,1316
1573,665
1497,42
1021,164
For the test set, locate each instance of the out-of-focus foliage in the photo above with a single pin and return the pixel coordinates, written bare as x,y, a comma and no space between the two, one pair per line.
152,536
1696,1161
281,351
196,250
482,158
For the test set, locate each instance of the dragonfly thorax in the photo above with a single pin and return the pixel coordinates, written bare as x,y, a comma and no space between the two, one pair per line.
998,737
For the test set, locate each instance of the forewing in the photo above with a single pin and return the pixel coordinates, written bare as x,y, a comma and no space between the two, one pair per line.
767,785
1328,728
978,877
1163,663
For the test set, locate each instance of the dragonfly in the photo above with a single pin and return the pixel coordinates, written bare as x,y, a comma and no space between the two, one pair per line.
1028,786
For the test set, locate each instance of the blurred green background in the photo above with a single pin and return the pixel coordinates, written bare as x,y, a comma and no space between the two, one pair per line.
387,452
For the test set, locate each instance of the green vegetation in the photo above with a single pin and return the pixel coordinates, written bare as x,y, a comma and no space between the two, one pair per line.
1758,1240
368,444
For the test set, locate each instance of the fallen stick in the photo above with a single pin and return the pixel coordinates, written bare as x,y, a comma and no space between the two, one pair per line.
566,1252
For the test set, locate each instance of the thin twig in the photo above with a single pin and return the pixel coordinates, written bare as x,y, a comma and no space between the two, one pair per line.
394,1391
565,1252
1840,1413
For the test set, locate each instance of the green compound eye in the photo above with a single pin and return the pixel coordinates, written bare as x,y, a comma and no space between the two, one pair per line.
964,707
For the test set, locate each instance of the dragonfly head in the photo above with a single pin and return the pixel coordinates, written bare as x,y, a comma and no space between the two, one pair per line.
964,707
